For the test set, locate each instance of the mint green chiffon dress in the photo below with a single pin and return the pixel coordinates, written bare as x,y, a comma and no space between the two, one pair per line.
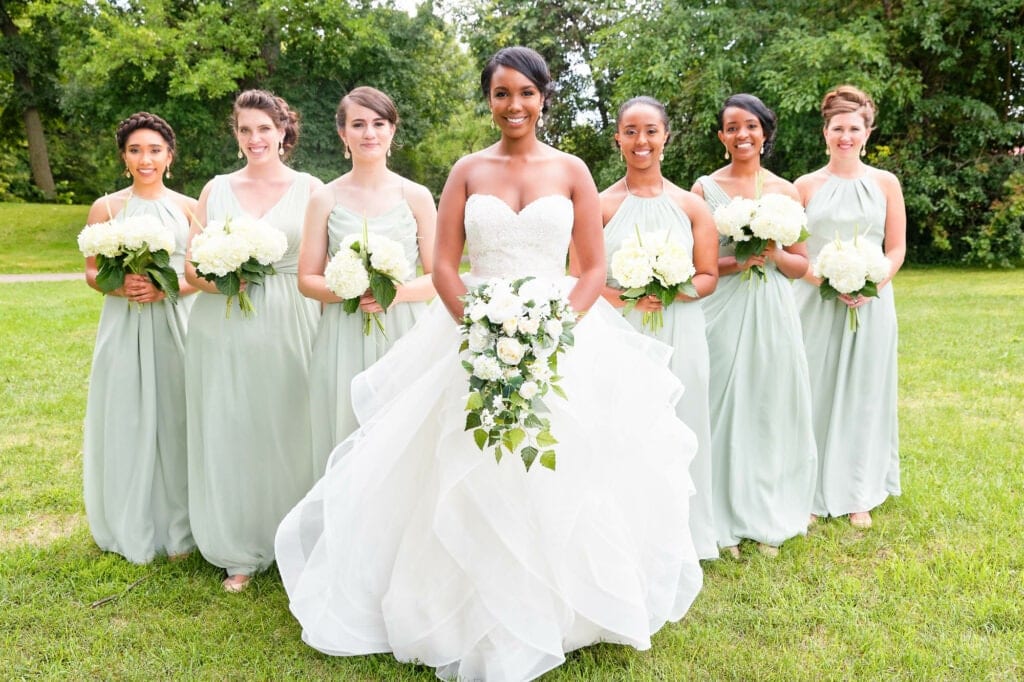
134,454
684,332
341,350
853,375
247,380
762,441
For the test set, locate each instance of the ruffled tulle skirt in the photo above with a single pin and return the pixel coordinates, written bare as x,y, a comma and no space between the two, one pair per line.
417,543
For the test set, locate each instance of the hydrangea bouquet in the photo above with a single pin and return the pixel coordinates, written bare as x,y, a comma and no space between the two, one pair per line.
852,267
659,267
235,250
374,262
140,245
513,334
752,223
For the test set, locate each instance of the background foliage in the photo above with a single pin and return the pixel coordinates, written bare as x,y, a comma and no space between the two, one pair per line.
947,76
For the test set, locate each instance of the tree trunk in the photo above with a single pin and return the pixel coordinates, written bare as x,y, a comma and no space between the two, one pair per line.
38,157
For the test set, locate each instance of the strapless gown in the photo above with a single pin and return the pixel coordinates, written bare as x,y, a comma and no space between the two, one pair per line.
417,543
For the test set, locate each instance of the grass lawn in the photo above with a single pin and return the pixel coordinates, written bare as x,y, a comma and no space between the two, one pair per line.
40,238
934,591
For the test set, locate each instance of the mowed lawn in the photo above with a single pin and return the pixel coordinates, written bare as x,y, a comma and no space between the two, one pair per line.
40,238
934,591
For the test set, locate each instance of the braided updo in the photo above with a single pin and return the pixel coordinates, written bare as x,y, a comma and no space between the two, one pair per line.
148,121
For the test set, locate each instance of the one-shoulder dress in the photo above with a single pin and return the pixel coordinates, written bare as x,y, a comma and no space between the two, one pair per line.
135,452
853,375
762,441
683,330
341,350
247,380
415,542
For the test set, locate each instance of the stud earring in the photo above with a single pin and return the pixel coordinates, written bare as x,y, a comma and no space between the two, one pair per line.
863,151
540,121
726,155
240,154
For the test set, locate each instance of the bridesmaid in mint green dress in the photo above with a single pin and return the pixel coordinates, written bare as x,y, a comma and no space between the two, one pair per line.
391,206
645,200
247,377
135,457
762,440
853,374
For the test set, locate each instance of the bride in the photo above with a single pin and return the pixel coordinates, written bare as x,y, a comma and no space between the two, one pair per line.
415,541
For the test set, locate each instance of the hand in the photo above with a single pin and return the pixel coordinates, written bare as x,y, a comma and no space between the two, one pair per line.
140,289
649,304
854,301
771,252
758,259
368,304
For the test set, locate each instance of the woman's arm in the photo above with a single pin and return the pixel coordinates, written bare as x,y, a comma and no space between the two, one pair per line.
450,239
313,247
586,250
199,220
423,210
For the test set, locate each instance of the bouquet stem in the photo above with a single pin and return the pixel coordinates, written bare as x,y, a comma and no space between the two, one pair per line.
854,317
373,318
654,320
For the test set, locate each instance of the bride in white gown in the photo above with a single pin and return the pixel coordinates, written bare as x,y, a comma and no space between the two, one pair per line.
415,541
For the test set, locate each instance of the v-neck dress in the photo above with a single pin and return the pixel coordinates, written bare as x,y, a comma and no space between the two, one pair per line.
247,380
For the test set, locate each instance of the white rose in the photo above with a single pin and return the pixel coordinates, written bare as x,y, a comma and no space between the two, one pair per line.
510,326
504,305
479,338
553,328
529,389
529,325
510,351
477,310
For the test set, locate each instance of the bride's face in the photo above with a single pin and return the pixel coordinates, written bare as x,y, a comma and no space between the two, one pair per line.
516,103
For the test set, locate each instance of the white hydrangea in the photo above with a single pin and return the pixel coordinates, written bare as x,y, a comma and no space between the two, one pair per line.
673,263
780,218
842,265
224,245
146,230
345,275
731,218
878,266
540,372
487,368
631,265
100,239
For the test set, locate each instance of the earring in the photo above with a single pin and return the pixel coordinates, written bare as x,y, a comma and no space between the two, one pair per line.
726,154
389,152
661,157
827,152
348,154
494,126
280,148
863,151
167,173
762,150
240,154
540,121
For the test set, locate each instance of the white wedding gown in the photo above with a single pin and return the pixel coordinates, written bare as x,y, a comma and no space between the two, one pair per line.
417,543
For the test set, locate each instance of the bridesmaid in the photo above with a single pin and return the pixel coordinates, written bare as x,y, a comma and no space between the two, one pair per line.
645,200
247,377
762,440
853,374
390,205
135,458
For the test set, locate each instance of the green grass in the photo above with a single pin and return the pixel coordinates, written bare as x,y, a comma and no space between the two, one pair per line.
40,238
934,591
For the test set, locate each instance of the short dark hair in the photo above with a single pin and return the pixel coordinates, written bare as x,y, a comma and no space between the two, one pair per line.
148,121
526,61
769,122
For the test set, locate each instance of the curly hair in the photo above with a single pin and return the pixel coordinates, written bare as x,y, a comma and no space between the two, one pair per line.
276,108
148,121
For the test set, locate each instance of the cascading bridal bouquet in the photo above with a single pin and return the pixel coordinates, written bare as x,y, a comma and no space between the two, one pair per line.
653,265
235,250
513,334
375,262
751,223
140,245
854,268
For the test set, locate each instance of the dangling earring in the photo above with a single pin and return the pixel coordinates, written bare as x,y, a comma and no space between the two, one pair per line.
280,148
540,121
762,150
167,173
827,152
494,126
726,154
240,154
127,173
348,154
863,151
661,157
389,152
